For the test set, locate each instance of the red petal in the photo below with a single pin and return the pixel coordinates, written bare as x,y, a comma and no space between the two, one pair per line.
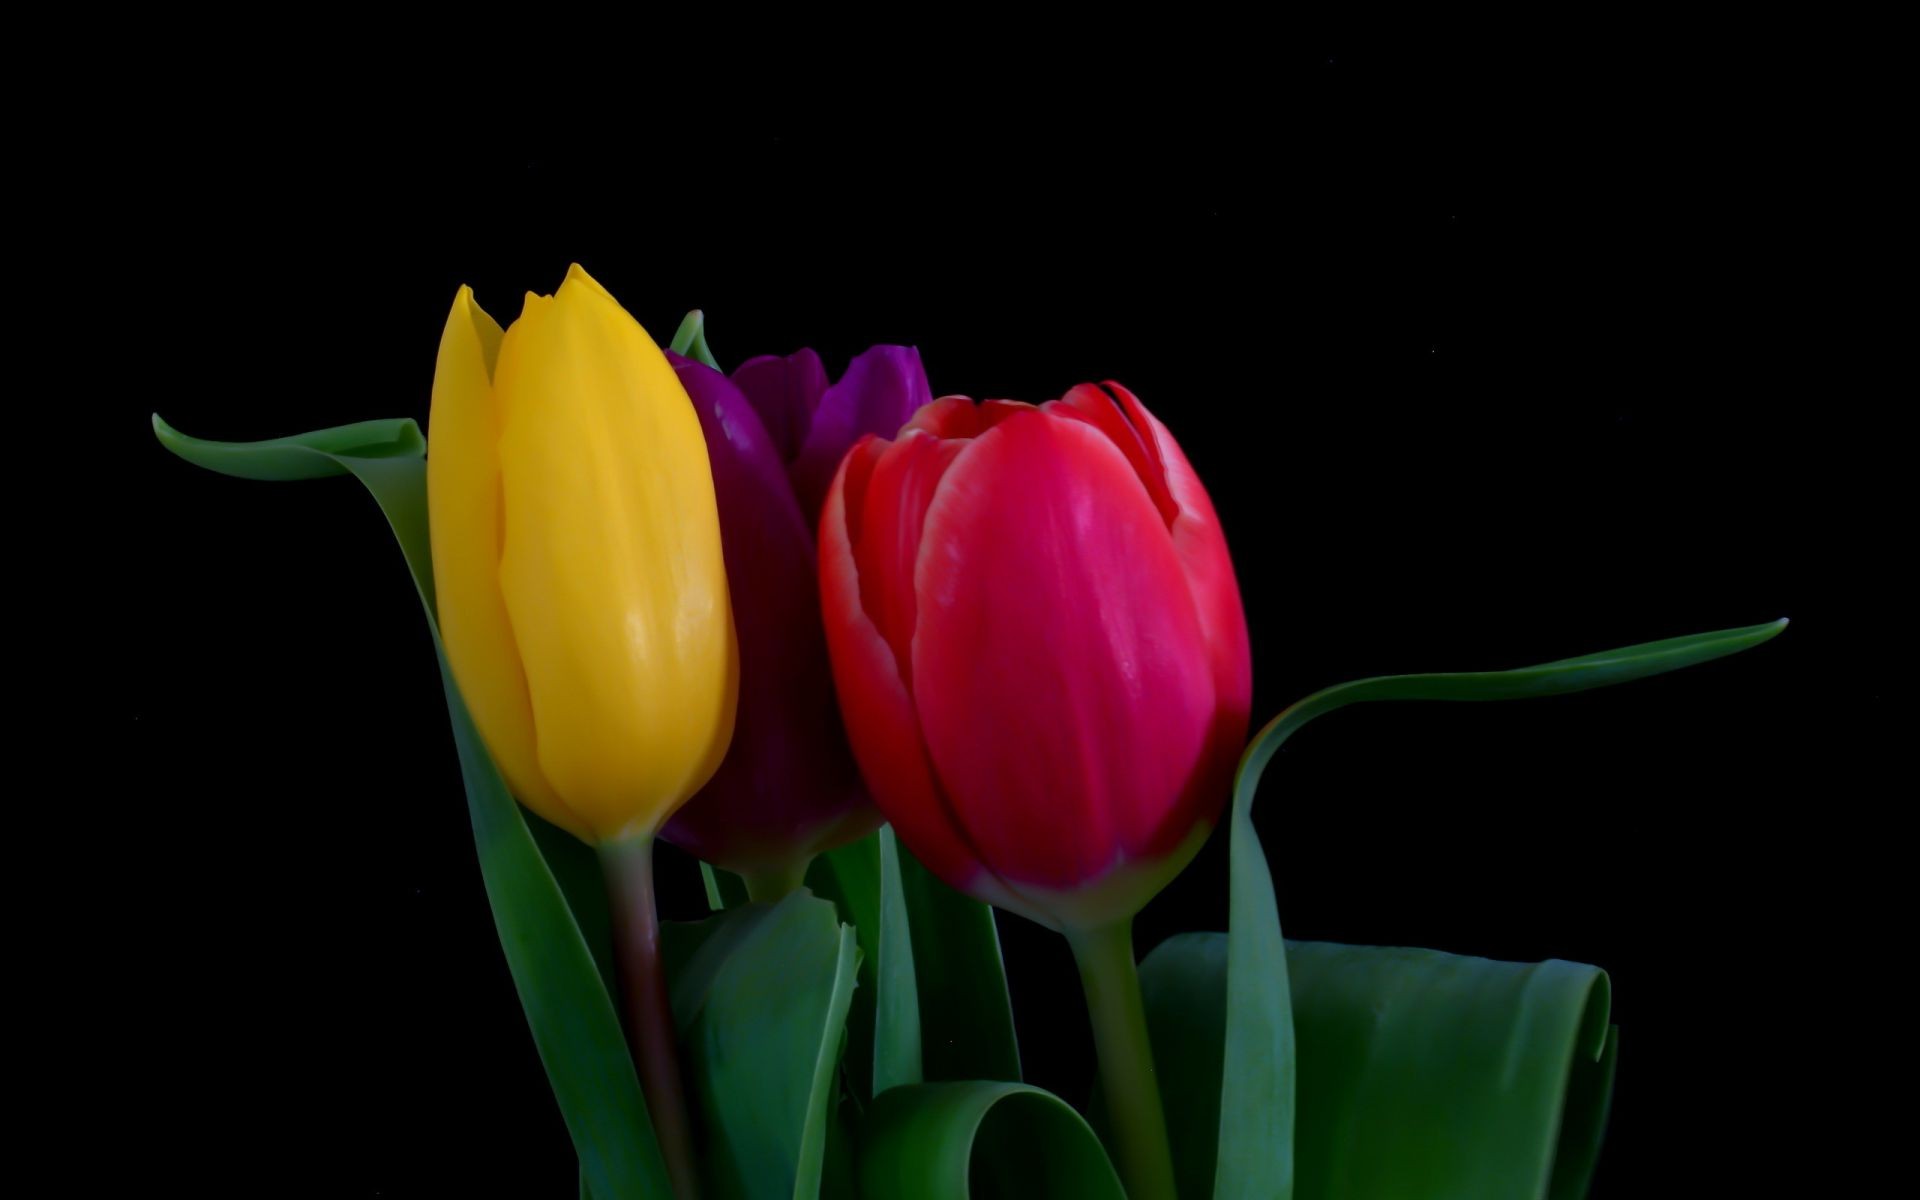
880,719
947,417
1125,425
1202,547
1060,671
898,490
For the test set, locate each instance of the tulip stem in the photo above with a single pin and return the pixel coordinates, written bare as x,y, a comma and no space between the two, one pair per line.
1138,1125
774,884
645,1012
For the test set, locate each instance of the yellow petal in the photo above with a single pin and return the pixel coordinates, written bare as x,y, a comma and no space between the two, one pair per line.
463,510
611,565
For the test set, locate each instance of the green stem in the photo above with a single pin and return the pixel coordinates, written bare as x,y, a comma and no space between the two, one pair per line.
774,884
1138,1137
645,1011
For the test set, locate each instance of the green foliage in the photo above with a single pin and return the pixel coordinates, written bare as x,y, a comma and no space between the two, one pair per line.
1289,1069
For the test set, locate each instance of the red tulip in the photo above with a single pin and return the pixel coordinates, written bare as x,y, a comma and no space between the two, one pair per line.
1039,648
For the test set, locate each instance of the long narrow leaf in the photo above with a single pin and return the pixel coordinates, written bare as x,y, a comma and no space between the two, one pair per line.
896,1025
883,1034
760,997
966,1017
849,877
724,889
1257,1146
576,868
555,972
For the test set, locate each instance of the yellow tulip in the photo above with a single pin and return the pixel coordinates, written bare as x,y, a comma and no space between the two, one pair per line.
576,553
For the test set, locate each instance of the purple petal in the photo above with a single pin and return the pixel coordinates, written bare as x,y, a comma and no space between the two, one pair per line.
788,787
882,388
784,391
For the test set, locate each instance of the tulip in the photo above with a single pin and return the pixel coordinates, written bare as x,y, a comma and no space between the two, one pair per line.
1042,661
813,424
583,600
788,789
1039,645
576,554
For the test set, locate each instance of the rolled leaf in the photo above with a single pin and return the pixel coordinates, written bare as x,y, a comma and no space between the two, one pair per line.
967,1140
1422,1075
1257,1136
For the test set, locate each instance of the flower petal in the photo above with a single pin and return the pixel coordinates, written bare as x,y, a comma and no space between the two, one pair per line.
1059,669
1109,415
1201,545
463,512
879,712
787,787
881,389
611,562
896,493
785,392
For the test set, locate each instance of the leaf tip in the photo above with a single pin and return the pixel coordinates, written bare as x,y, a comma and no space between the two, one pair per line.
170,437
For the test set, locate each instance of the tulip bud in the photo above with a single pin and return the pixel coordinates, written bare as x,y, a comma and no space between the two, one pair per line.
812,424
1039,648
788,789
576,554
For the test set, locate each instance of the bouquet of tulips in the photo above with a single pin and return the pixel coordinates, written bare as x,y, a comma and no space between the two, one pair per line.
884,663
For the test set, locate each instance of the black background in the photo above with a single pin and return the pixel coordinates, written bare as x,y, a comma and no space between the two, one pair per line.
1482,365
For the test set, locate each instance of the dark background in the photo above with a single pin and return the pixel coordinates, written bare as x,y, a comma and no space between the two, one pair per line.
1483,366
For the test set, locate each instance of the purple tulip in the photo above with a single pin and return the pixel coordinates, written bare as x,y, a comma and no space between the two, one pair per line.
813,425
776,432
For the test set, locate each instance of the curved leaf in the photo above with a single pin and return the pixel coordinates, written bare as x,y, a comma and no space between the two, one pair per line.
981,1140
1425,1075
1257,1147
568,1007
313,455
760,996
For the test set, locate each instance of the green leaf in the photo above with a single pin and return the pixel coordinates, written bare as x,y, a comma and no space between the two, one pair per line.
724,889
981,1140
1425,1075
1257,1144
966,1019
896,1027
760,996
863,880
850,877
561,988
576,868
314,455
1183,984
690,340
